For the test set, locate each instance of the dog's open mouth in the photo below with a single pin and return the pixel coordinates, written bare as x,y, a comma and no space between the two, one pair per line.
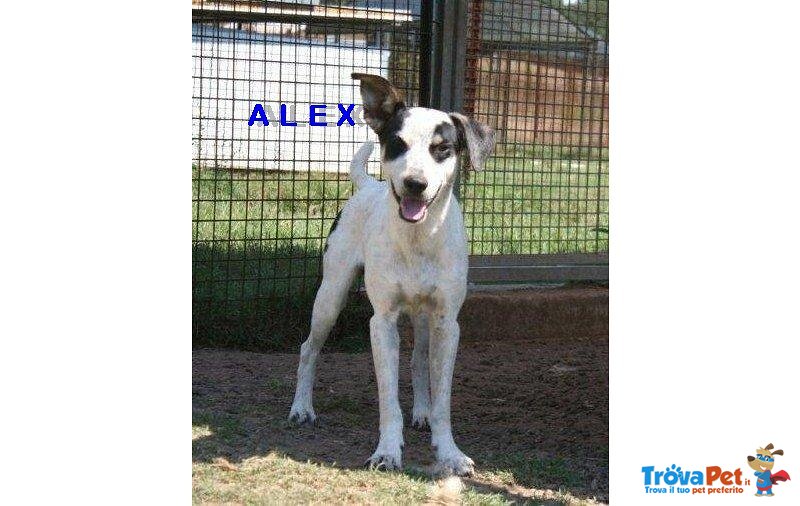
413,210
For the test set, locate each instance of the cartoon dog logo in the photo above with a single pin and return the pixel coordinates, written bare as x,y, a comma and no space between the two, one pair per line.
763,463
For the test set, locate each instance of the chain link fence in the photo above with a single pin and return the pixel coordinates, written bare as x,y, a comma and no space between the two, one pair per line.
265,196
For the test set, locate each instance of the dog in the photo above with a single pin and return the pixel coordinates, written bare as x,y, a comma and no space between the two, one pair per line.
762,464
407,233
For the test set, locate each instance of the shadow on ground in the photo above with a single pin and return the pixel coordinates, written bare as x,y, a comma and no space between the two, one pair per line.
532,413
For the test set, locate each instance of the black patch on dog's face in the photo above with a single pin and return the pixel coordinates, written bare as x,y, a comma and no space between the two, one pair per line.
393,145
445,142
333,227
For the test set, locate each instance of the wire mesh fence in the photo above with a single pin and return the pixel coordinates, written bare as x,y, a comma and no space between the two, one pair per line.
265,196
538,73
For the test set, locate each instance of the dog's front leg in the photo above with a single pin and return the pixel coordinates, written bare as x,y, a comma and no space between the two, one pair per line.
443,346
420,371
385,354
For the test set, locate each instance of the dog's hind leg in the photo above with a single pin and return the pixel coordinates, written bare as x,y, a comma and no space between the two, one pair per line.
339,269
420,415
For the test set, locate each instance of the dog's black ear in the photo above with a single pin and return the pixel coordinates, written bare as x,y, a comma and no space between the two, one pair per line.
381,100
778,452
476,138
769,447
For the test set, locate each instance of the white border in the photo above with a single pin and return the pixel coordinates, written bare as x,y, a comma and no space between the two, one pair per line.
704,211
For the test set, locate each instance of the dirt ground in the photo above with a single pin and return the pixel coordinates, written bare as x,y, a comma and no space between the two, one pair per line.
529,402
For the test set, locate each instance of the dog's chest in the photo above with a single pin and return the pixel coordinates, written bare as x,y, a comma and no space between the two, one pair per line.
416,281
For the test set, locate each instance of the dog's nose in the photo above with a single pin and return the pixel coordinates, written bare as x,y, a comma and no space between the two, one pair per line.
415,185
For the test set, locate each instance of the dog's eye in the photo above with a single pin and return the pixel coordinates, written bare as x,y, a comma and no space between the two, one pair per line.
440,151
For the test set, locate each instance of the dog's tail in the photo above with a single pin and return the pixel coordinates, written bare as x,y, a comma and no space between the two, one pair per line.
358,167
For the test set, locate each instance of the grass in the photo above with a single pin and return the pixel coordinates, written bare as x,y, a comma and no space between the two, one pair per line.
278,479
258,236
275,323
275,478
538,201
534,471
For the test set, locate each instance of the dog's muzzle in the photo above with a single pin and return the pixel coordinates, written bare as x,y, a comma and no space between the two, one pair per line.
412,209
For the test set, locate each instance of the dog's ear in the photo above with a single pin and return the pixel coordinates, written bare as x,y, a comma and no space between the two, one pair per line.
778,452
476,138
769,447
381,100
750,458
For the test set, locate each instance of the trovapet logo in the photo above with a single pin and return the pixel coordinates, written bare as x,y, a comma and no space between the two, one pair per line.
711,480
716,479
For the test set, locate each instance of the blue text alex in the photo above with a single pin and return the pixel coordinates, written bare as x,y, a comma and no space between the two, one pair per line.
317,115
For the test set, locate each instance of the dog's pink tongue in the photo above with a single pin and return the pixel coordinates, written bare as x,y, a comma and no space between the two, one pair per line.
412,209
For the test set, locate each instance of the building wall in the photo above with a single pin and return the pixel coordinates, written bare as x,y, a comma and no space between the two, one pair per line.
543,101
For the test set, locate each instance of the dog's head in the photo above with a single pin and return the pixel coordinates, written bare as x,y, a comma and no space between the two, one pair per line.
764,459
420,147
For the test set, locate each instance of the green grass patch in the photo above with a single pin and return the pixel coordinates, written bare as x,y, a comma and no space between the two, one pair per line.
526,204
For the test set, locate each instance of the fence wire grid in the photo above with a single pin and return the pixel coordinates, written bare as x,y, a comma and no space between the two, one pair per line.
264,197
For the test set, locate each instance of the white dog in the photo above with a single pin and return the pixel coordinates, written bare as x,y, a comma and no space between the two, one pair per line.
408,235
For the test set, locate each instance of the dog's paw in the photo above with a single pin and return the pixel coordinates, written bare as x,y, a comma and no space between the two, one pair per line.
302,416
384,461
455,463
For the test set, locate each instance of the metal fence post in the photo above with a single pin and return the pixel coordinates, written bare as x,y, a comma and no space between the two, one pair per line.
446,59
443,53
427,54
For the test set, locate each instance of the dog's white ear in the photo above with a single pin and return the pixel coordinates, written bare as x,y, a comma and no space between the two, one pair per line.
477,138
381,100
